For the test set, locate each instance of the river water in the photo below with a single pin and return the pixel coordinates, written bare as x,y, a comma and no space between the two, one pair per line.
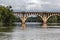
33,31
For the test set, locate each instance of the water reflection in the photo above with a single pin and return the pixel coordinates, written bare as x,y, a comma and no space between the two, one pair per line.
5,32
5,36
32,32
44,25
23,26
6,28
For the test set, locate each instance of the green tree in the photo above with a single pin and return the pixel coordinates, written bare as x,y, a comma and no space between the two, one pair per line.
6,15
52,19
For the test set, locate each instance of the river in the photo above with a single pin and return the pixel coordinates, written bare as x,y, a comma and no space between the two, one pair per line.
33,31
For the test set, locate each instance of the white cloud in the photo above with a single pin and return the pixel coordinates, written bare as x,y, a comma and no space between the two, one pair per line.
32,4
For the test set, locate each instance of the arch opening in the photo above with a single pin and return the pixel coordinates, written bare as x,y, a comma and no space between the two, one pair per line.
53,19
34,21
34,18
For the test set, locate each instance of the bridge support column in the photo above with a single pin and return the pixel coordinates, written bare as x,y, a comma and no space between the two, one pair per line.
23,19
44,25
44,22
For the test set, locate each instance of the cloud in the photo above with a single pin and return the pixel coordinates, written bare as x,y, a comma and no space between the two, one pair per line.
32,5
35,4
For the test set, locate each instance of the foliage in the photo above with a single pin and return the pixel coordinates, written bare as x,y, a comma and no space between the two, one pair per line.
34,19
6,15
54,19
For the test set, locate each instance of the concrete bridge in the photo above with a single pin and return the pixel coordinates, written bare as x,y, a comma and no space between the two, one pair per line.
44,16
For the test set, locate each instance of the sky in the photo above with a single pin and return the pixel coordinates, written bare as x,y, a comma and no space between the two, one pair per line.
33,5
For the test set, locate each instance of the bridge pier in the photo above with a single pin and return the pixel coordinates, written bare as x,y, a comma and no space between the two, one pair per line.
44,22
23,19
44,25
23,26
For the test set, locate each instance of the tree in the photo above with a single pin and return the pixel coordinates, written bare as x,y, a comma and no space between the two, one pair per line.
6,15
52,19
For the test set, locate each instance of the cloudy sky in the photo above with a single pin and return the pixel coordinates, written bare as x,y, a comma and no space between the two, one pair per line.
32,5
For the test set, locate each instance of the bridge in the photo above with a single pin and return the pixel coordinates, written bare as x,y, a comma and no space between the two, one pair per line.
44,16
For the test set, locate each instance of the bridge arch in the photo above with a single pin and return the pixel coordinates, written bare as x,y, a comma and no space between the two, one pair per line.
52,15
33,15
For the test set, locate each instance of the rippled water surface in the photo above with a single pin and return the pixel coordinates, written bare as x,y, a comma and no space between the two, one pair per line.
32,32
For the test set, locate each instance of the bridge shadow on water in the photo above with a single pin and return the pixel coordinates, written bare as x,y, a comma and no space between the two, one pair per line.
24,26
7,28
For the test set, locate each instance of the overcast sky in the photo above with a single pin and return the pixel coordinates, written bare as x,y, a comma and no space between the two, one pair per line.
32,5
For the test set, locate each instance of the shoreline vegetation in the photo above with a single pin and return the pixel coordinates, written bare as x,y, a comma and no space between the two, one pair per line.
6,15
